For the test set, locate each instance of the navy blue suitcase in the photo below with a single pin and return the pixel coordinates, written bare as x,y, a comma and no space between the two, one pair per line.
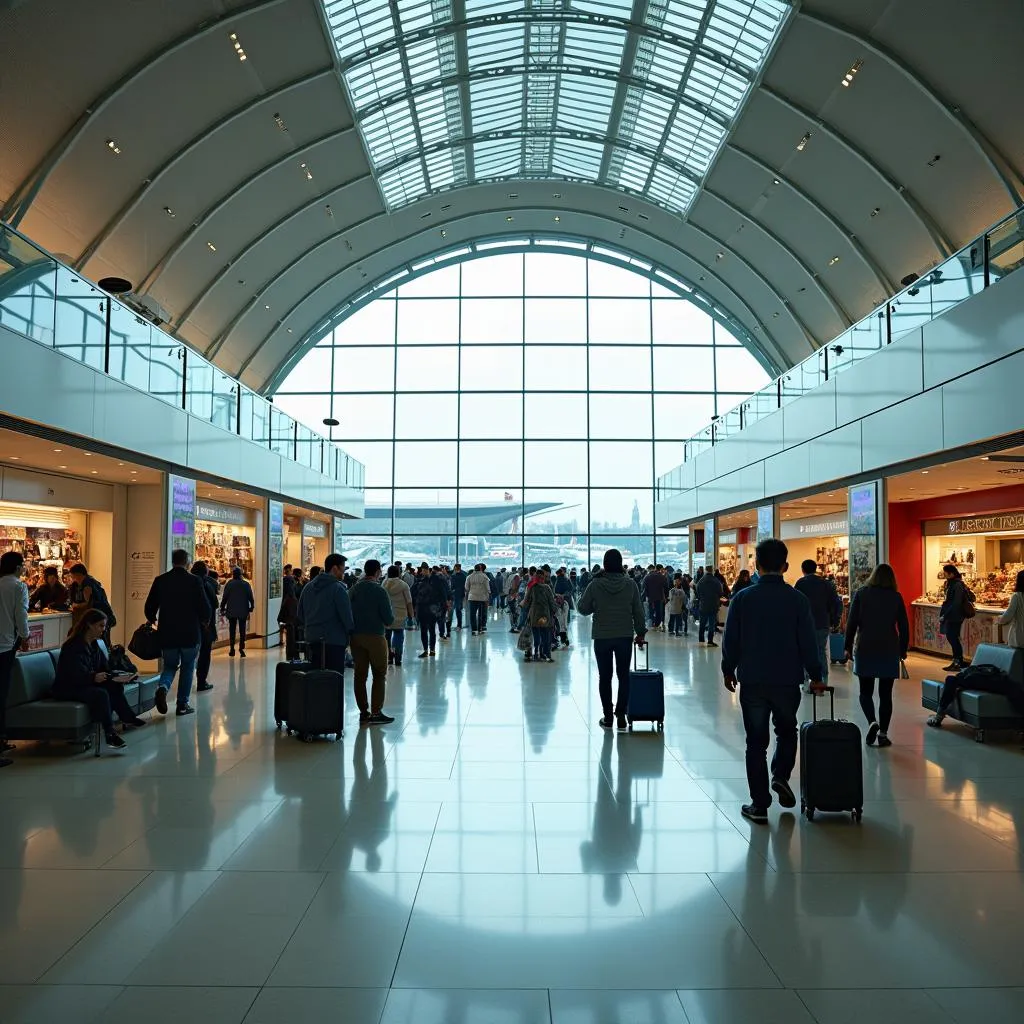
646,694
837,648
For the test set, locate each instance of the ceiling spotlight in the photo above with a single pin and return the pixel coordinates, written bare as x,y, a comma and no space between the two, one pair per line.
444,234
876,211
558,219
211,247
113,147
62,467
924,472
848,77
289,330
58,449
330,212
266,305
984,458
279,121
304,167
719,255
509,219
803,142
775,181
832,262
94,471
134,472
238,46
169,212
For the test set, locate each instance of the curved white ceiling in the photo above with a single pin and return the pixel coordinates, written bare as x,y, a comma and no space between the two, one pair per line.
244,203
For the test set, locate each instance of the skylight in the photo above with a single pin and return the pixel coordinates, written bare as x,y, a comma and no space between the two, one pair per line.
449,93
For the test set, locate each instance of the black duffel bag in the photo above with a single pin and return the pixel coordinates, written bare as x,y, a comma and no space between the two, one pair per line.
145,643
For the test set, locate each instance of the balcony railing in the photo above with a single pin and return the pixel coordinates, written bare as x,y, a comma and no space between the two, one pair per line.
50,303
983,263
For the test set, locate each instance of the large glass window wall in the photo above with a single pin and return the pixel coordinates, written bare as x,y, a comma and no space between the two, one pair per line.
517,408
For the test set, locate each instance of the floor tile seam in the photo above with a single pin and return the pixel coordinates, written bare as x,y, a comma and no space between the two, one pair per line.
412,910
88,931
745,931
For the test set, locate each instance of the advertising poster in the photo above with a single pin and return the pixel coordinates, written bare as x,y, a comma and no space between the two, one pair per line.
275,556
339,535
765,522
863,520
710,545
182,517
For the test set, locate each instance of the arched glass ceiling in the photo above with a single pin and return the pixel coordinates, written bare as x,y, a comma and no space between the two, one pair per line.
638,95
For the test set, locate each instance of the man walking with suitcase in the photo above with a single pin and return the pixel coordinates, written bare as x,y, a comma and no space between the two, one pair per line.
325,614
769,643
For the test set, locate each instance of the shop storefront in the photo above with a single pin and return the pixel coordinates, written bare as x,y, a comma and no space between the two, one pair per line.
824,540
989,552
736,551
307,539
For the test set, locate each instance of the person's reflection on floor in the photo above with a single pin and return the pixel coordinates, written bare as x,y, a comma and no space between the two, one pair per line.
540,701
369,806
431,700
615,840
238,707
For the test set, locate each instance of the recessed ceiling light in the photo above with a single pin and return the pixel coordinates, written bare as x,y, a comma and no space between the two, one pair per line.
304,167
984,458
238,46
509,219
803,142
775,181
211,247
134,472
719,255
88,455
444,234
848,77
267,306
279,121
113,147
169,212
62,467
832,262
289,330
924,472
58,449
557,219
94,471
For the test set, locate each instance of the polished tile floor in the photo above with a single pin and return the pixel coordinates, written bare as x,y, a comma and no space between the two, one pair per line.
494,857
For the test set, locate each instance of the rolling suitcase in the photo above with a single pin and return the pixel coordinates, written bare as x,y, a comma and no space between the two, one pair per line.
831,776
316,704
646,693
837,648
282,674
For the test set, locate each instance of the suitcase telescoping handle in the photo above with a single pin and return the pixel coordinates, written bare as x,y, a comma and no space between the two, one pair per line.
647,655
831,691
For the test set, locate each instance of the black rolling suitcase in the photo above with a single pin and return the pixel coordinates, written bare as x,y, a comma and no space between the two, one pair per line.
316,704
646,693
282,675
831,775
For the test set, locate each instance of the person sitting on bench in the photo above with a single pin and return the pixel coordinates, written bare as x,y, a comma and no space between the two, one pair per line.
82,675
984,678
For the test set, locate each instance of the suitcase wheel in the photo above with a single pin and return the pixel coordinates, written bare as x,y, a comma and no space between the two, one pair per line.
278,720
661,725
858,813
810,814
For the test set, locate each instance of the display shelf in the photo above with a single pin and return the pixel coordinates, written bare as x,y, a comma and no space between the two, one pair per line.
224,547
43,547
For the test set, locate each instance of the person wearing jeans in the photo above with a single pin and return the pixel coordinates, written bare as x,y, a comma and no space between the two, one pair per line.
769,643
826,608
372,614
614,601
478,589
180,602
401,610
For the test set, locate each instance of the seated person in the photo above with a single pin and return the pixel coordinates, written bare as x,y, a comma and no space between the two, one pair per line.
51,593
82,675
968,680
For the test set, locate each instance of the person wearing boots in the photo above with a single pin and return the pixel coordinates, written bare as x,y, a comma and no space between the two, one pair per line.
952,614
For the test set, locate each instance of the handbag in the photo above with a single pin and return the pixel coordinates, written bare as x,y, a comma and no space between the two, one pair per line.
145,643
120,662
904,674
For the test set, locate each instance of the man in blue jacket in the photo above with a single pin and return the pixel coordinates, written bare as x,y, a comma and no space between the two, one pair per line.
325,613
769,643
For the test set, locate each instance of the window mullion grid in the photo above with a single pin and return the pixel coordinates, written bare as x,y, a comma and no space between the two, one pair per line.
654,463
396,21
590,518
394,422
458,431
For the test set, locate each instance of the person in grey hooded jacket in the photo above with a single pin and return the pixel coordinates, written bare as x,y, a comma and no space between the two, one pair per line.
614,601
325,613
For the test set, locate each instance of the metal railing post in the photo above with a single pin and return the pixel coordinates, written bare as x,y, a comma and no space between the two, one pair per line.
106,341
184,377
987,250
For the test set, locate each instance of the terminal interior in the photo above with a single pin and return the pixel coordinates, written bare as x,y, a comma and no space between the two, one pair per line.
509,284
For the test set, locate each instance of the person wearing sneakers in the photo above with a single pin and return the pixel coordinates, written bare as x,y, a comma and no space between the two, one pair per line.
614,601
878,634
178,599
13,632
372,615
402,611
769,642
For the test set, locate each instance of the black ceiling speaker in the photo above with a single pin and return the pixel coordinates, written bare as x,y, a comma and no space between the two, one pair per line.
115,285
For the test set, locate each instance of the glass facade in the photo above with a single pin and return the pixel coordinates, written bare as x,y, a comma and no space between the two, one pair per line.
517,408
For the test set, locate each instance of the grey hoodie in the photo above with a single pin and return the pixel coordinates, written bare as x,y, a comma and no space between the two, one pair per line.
325,610
614,601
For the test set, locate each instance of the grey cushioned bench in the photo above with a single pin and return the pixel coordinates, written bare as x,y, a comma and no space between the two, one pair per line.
977,708
32,714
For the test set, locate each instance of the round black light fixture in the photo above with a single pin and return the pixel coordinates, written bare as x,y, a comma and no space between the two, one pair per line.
330,421
115,285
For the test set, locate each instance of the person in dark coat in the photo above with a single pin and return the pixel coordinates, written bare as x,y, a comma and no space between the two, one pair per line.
826,607
710,591
209,637
952,614
878,634
237,604
178,600
82,675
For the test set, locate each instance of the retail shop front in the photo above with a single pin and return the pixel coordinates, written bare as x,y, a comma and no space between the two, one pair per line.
817,528
307,537
961,522
738,537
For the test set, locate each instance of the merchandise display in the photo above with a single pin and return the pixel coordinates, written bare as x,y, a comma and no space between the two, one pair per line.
988,563
834,562
43,547
223,547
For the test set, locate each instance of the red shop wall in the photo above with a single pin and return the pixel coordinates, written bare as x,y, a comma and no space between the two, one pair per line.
905,519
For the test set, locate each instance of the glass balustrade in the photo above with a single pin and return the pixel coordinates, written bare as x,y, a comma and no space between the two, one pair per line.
50,303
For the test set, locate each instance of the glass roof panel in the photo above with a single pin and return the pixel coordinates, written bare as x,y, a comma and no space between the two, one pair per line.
549,89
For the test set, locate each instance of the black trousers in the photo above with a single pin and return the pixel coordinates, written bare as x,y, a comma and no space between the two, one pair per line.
291,646
6,668
867,701
102,699
954,684
205,653
613,655
239,626
428,627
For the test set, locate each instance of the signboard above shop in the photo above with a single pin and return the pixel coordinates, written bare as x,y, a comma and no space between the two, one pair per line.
215,512
313,528
820,526
1001,522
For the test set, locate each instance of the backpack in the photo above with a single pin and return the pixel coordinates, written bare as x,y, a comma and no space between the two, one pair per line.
523,584
969,610
979,675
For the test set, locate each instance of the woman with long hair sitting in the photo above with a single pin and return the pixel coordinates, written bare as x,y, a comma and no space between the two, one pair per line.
82,675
